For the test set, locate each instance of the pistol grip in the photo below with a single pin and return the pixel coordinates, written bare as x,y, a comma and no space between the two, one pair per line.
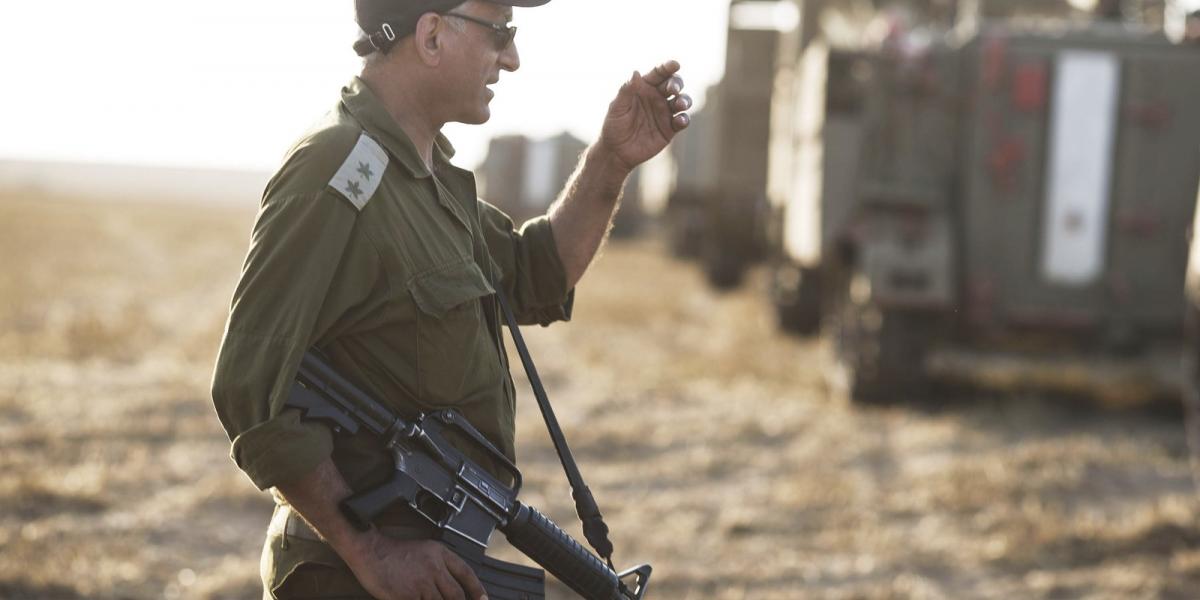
362,508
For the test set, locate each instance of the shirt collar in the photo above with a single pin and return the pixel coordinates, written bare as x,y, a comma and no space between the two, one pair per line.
371,114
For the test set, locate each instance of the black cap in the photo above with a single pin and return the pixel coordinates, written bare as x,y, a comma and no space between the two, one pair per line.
385,21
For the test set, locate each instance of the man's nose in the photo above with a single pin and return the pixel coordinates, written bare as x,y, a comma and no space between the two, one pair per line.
510,59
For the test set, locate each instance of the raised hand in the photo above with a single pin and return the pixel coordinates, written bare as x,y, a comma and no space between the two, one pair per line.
645,116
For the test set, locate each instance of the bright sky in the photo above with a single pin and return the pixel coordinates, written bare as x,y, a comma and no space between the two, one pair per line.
231,83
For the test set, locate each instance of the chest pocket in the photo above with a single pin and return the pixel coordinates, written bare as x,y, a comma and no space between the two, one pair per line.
456,360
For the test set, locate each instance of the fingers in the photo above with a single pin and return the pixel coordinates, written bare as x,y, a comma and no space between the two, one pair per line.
680,103
680,122
673,85
660,74
465,579
670,85
449,589
665,80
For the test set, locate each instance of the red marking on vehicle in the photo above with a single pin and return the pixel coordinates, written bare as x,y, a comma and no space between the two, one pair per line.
1004,160
1150,115
994,64
1140,225
1029,87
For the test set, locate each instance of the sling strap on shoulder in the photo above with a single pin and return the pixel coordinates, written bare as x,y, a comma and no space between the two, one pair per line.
594,528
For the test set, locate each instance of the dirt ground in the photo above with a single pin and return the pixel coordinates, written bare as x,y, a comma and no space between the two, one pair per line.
712,443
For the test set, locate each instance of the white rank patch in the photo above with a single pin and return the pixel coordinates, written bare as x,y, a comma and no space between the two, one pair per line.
359,177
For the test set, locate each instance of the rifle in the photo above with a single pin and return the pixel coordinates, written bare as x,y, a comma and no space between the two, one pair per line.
462,500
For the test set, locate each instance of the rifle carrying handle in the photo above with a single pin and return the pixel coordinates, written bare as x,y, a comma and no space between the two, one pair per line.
540,539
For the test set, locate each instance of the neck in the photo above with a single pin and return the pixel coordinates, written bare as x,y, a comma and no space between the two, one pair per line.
401,96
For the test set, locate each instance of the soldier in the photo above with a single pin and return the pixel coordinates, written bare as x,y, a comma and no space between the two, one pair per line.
373,247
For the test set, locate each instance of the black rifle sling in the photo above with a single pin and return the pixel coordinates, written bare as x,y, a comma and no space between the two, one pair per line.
594,528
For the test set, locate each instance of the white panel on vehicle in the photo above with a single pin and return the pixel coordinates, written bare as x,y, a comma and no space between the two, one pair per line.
1079,168
802,223
764,15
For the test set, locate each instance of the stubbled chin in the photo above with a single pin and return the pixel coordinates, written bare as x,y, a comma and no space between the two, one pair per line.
479,118
485,109
480,115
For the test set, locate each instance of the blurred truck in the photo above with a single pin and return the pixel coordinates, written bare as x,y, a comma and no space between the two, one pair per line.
524,176
693,160
1011,206
717,210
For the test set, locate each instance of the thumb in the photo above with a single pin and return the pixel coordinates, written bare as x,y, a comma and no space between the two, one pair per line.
628,85
625,95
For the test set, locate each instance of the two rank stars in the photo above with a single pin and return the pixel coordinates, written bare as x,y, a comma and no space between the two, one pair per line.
354,187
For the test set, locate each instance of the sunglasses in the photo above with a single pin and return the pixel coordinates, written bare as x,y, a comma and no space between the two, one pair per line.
502,35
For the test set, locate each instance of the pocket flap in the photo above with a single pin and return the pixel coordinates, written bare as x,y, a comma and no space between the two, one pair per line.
438,291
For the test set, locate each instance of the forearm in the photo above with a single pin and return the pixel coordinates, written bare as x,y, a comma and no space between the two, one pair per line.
582,216
644,117
315,497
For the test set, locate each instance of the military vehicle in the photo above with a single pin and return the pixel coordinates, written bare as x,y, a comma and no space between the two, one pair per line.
524,176
718,207
1011,204
693,157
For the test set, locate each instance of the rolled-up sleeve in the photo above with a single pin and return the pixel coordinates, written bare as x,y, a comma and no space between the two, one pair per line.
533,275
297,245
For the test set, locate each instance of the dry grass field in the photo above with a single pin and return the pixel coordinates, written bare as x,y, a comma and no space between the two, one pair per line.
712,444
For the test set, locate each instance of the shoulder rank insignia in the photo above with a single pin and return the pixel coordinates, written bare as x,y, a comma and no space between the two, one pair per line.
359,176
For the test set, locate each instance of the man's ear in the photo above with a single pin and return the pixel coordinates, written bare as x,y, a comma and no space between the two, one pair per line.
428,38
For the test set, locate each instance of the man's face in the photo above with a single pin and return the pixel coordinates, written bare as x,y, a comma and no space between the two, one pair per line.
474,61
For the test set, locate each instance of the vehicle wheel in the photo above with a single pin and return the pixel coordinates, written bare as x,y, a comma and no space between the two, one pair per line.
685,231
723,268
880,352
796,294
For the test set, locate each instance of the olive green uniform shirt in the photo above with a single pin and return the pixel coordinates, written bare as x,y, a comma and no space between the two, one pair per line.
360,250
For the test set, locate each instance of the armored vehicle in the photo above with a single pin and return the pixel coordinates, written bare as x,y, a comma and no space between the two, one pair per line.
523,177
717,209
1013,205
693,157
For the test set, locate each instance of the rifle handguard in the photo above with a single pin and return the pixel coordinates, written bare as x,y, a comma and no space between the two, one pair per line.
540,539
